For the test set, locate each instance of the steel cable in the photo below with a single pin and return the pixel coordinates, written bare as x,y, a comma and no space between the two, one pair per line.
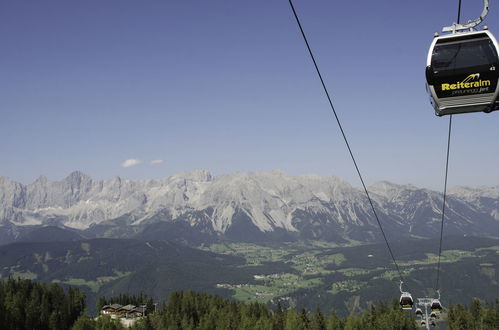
443,204
437,288
345,138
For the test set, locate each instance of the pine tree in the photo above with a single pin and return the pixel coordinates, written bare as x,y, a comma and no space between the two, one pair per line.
101,302
490,321
279,318
293,321
318,320
304,318
353,322
334,322
476,313
84,323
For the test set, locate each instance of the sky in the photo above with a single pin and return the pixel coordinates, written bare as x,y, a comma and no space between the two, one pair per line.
149,89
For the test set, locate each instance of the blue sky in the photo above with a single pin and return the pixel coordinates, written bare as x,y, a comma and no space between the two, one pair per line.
228,86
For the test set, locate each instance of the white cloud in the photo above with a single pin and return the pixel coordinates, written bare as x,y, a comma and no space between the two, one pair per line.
156,161
131,162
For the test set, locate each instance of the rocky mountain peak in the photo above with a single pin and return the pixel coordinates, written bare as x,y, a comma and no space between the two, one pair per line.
256,201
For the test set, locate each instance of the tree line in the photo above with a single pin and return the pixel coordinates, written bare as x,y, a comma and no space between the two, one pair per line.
25,304
192,310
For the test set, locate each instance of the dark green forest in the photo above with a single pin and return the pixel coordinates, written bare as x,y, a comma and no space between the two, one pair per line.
25,304
190,310
475,316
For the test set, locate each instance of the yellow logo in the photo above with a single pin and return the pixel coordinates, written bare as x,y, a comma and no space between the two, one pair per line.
472,81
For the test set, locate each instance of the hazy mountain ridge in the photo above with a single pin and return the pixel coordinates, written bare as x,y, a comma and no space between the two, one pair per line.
263,203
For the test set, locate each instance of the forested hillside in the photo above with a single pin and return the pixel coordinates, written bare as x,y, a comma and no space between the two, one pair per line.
25,304
33,305
191,310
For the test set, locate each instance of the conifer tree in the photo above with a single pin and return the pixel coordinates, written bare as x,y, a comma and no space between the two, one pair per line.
279,319
318,321
304,318
84,322
334,322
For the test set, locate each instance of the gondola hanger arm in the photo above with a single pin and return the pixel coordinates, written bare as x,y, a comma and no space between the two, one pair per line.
471,24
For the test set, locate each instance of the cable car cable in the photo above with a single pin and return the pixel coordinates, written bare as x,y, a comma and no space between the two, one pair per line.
437,288
444,202
344,137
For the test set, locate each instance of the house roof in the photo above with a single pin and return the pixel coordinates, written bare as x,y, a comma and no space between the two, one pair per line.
127,307
113,306
141,309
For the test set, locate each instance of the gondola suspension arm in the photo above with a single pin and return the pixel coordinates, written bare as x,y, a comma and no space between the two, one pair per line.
471,24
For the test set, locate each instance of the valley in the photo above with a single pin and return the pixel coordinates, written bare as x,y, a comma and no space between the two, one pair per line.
306,274
331,274
268,237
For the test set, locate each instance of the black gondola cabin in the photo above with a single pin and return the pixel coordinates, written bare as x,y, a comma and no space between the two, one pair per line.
436,306
406,301
462,73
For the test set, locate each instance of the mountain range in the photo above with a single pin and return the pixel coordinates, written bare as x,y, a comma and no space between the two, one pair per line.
197,207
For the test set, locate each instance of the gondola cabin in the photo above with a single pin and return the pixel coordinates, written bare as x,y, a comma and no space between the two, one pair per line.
419,312
436,306
406,301
462,72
